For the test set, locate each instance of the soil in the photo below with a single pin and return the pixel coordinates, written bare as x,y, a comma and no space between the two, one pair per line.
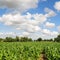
42,57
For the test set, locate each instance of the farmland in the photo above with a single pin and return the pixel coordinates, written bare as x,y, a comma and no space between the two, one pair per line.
29,50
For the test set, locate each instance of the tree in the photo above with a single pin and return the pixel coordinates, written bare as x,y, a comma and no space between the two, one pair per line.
17,38
39,39
57,39
1,40
58,36
29,39
25,39
50,39
9,39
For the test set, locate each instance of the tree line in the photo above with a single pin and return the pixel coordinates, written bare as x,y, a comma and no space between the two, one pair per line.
26,39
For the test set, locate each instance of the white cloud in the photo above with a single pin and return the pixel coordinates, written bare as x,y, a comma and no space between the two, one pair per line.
50,25
29,22
40,18
43,33
54,33
57,5
32,28
7,34
46,31
21,5
25,34
50,13
50,33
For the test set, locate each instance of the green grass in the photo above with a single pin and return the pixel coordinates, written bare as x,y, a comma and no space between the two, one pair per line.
29,50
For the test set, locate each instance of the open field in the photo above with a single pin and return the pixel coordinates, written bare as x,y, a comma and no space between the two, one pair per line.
29,50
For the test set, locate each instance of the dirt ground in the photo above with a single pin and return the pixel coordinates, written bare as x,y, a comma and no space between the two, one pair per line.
42,57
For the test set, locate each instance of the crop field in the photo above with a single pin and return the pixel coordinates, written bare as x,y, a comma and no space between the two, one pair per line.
29,50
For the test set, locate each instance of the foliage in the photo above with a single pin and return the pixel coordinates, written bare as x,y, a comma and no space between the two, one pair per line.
9,39
39,39
57,39
29,50
16,39
1,39
26,39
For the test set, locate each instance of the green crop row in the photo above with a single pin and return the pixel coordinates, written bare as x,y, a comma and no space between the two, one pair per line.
29,50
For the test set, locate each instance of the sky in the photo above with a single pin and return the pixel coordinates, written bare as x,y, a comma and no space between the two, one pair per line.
30,18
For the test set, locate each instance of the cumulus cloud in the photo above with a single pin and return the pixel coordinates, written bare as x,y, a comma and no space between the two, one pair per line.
7,34
25,34
21,5
43,33
28,22
50,13
50,33
50,25
57,5
40,18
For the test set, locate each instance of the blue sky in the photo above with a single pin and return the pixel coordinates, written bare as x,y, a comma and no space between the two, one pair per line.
39,18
